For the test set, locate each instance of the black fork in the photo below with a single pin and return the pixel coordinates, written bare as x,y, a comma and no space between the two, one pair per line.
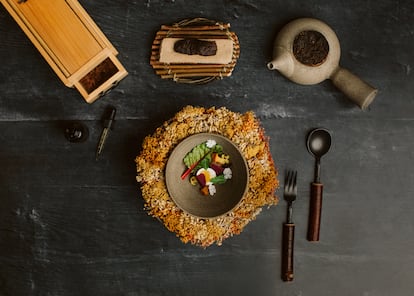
290,192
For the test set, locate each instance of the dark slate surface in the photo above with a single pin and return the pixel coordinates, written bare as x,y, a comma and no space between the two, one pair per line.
72,226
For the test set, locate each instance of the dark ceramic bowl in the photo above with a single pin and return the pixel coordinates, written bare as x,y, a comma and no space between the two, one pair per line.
188,197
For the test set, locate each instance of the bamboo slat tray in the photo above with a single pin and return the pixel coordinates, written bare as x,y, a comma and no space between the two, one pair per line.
198,28
71,43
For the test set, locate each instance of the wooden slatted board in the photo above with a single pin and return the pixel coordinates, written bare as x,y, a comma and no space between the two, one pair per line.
198,28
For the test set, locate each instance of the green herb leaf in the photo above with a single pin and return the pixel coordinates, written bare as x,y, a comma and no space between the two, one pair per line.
218,180
205,163
195,154
217,148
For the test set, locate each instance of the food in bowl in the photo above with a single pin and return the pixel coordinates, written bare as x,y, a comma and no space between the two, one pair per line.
230,180
207,166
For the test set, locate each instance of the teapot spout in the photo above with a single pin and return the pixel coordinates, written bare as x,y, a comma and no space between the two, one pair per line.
282,62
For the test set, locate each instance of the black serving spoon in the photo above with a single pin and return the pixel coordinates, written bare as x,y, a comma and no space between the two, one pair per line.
318,144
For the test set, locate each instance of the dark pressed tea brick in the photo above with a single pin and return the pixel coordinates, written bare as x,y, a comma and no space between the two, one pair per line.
195,46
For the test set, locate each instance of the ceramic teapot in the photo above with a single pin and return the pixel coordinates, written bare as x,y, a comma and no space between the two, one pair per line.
288,64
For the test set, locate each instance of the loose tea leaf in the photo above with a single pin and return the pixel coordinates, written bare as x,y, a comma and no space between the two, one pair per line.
196,46
310,48
98,75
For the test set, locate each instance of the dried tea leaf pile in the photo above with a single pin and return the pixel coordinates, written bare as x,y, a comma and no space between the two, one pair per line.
310,48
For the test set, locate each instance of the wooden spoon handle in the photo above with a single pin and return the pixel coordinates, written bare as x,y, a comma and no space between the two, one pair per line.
315,209
287,251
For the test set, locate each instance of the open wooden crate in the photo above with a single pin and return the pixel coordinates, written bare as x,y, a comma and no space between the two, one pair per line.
71,43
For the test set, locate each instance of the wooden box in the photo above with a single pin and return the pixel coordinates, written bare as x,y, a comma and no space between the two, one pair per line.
71,43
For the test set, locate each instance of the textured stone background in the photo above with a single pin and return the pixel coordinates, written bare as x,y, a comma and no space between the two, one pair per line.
72,226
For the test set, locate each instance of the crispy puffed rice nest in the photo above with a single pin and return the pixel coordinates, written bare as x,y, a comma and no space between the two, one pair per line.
244,131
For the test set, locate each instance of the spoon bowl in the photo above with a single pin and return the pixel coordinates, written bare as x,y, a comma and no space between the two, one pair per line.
319,142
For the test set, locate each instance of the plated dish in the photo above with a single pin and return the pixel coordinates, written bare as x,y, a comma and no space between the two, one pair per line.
187,194
246,133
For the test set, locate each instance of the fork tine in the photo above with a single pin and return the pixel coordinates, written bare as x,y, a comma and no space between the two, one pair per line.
287,174
290,182
295,187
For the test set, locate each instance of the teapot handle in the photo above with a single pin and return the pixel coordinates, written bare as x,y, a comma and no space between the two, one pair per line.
355,88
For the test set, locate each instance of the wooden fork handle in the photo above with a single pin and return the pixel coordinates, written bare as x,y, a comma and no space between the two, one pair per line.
287,251
315,209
